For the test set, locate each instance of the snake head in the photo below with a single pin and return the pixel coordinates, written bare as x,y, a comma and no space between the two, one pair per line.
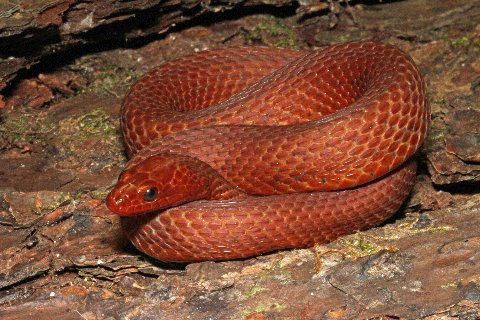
155,183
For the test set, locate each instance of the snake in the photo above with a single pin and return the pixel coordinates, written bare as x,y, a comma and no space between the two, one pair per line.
237,152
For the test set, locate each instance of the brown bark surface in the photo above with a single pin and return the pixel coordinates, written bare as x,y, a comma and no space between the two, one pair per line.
64,68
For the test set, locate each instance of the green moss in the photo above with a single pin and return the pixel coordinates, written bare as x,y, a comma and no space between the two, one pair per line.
411,228
462,41
22,129
275,268
442,101
109,79
273,32
50,200
99,194
253,291
436,135
97,125
449,285
15,132
265,307
361,245
96,122
469,43
346,38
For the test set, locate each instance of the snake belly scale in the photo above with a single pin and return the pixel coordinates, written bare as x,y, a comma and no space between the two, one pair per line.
241,151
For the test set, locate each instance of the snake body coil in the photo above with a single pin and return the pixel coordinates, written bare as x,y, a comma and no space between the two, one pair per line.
237,152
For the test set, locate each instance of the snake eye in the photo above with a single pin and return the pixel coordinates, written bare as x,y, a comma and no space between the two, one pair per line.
150,194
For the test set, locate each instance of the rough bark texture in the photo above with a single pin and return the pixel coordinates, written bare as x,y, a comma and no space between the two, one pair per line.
64,68
33,30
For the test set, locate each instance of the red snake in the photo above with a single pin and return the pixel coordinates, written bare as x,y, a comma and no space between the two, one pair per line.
238,152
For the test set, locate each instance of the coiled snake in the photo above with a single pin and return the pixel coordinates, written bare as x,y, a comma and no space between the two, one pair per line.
237,152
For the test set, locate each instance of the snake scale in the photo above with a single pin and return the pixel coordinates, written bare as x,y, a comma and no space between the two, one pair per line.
240,151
